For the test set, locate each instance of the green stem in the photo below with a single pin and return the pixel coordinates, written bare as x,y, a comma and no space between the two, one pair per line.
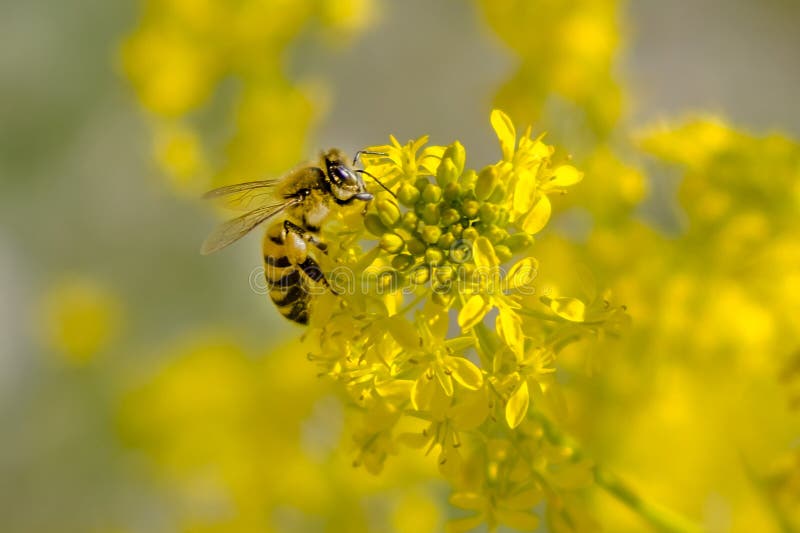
659,517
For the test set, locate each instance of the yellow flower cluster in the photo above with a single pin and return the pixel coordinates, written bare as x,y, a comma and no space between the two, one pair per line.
708,362
739,253
566,50
249,443
192,62
440,337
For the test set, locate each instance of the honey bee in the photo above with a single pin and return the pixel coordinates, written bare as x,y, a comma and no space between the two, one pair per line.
299,203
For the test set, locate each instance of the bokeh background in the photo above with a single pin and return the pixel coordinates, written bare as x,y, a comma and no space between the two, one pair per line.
145,388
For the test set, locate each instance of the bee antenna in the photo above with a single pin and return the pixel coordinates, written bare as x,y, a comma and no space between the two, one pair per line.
385,188
367,152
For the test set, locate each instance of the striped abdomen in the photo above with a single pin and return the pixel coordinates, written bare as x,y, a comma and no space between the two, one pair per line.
289,280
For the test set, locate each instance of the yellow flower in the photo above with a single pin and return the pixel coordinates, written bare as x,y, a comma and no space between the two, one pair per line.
82,317
565,52
432,252
183,55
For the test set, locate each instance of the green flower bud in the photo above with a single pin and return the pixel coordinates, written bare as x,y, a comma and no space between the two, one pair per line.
518,241
408,195
409,220
502,217
432,193
416,246
447,172
488,180
421,183
458,155
470,234
430,214
450,216
374,225
446,240
443,274
470,208
434,256
431,234
468,180
495,233
488,213
498,196
392,242
402,261
456,230
451,191
419,274
388,211
461,252
503,253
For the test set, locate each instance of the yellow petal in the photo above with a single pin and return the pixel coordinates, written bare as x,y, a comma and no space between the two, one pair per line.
438,322
524,192
403,332
523,273
566,175
400,388
468,500
537,218
483,254
571,309
473,311
506,134
519,520
445,381
465,372
509,327
470,411
459,344
421,393
517,406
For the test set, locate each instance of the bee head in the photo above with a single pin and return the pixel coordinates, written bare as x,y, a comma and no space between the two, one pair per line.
345,184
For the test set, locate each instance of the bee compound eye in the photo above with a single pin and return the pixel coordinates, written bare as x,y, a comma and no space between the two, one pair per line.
342,175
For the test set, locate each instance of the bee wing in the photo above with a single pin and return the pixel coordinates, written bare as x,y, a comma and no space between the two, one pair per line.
243,196
235,229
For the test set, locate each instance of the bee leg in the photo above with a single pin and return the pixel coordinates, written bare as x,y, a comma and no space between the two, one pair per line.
305,235
301,259
312,269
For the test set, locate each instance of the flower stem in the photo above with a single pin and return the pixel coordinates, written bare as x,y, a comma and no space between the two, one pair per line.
661,518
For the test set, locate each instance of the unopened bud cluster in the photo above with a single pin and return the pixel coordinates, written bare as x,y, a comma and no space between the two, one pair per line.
433,221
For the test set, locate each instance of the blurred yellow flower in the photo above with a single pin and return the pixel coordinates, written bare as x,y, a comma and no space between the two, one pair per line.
188,60
180,156
236,437
566,50
82,317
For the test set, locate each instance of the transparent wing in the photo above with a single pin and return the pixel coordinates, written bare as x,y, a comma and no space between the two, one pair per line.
244,196
235,229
